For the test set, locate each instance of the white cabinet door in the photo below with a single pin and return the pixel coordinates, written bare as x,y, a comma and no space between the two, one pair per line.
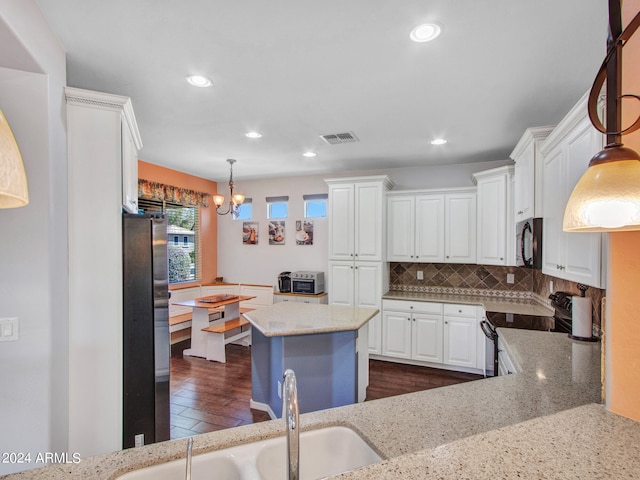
524,184
554,239
368,284
572,256
341,225
582,260
429,228
400,228
427,337
460,230
369,219
396,334
341,284
460,341
129,169
492,220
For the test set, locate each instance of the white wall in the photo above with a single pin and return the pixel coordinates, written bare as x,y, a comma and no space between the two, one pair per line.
33,240
262,263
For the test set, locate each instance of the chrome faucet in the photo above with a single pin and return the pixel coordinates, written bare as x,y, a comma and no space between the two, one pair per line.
290,416
189,450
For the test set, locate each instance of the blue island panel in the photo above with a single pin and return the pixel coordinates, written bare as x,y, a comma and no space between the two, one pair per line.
325,365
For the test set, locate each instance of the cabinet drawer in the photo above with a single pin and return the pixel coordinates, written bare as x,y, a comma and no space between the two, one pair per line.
460,310
412,306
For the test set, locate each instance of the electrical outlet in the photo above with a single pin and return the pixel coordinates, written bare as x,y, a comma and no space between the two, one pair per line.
279,389
8,329
510,317
550,286
420,275
511,278
138,440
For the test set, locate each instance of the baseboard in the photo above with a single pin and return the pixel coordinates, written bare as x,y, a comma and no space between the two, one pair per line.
263,407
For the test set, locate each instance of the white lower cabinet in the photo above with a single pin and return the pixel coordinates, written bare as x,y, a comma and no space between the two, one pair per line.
460,335
436,333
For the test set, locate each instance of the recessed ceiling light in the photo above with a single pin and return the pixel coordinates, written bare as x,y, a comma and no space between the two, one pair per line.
425,32
199,81
253,135
309,154
438,141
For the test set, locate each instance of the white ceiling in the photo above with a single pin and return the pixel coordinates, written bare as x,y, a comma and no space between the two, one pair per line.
297,69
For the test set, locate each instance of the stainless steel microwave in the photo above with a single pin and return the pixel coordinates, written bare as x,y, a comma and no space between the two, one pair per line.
309,283
529,243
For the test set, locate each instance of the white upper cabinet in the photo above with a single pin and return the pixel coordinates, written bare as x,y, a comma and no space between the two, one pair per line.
429,228
129,167
572,256
460,227
527,202
432,226
494,219
357,217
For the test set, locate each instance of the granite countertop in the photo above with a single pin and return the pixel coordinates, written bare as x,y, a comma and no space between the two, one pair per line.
470,430
505,303
291,318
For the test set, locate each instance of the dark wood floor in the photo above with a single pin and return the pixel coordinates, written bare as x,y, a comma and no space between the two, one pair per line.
208,396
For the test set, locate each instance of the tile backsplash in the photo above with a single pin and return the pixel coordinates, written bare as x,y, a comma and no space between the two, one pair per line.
485,277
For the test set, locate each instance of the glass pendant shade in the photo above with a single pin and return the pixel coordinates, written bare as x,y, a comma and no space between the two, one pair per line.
238,199
607,197
218,200
13,179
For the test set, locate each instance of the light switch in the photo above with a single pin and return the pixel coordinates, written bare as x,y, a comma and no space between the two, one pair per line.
8,329
420,275
511,278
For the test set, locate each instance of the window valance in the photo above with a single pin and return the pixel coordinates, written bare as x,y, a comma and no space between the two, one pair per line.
168,193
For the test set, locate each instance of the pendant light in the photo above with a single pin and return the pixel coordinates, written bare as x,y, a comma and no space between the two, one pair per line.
235,199
13,179
607,197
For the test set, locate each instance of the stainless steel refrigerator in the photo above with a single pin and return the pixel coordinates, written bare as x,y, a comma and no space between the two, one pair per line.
146,348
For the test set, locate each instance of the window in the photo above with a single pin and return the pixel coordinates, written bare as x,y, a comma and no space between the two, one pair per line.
183,248
315,205
277,207
245,211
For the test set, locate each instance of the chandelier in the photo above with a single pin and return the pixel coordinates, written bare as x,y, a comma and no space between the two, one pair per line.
235,199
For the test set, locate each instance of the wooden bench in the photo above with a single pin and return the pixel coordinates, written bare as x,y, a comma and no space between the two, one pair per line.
216,339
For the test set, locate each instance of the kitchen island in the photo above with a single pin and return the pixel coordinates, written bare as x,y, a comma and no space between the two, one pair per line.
326,345
545,421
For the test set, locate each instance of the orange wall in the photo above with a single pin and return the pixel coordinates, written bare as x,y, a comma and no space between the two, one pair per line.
623,331
208,216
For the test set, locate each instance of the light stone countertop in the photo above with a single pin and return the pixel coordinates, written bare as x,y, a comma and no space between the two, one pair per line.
291,318
517,304
470,430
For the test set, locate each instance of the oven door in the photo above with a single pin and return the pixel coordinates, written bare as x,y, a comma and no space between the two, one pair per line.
490,332
303,286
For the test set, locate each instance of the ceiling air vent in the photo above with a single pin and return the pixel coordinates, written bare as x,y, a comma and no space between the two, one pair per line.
338,138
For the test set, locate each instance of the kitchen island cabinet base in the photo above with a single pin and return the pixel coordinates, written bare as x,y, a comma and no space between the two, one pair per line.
331,369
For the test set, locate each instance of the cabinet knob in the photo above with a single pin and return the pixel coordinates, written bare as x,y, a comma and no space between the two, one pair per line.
447,256
459,311
408,319
411,307
414,319
351,254
446,323
520,212
356,267
356,254
411,256
501,258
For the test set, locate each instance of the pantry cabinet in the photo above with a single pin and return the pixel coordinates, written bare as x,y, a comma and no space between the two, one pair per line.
495,228
432,226
576,257
358,274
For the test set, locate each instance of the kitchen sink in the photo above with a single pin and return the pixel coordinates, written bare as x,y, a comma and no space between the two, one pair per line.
323,452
